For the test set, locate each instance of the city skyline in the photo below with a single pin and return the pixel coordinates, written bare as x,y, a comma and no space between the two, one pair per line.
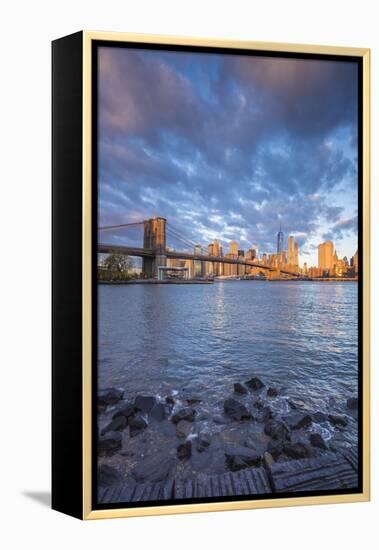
222,149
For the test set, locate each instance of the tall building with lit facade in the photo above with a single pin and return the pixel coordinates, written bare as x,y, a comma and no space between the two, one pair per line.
291,250
279,241
198,264
326,256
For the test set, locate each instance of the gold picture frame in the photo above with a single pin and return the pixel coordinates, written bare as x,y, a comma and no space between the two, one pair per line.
87,408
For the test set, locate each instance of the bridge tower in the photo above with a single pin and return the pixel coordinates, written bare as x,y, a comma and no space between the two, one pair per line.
154,238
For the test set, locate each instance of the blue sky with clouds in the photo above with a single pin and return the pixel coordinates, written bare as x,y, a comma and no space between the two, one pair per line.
229,147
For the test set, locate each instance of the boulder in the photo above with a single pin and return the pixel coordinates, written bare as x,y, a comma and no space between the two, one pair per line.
183,428
203,442
192,400
337,420
153,469
236,410
158,412
352,403
184,450
125,409
107,476
267,413
298,421
319,417
268,460
277,429
295,403
109,443
187,413
272,392
317,441
254,384
297,450
259,404
239,458
170,400
144,403
116,424
136,425
240,388
275,449
108,396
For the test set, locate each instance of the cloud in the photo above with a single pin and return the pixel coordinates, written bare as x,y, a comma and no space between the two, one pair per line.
227,146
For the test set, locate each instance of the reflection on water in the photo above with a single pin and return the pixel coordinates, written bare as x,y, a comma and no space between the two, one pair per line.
301,336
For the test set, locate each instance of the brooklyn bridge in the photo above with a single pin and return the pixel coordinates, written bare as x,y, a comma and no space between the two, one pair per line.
155,252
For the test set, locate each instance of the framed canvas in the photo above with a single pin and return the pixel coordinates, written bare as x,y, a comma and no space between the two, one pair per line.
210,275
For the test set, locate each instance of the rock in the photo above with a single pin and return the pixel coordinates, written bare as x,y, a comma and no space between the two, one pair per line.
158,412
192,400
184,414
236,410
319,417
109,444
153,469
109,396
170,400
296,403
239,458
184,450
136,425
268,460
259,404
126,410
317,441
337,420
183,428
275,448
277,429
144,403
254,384
240,388
107,476
203,442
272,392
298,421
297,450
118,423
267,413
219,419
352,403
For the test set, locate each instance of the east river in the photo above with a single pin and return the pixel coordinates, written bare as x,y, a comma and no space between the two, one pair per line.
299,336
191,343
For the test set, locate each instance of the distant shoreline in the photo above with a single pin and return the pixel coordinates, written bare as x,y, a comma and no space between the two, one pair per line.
198,282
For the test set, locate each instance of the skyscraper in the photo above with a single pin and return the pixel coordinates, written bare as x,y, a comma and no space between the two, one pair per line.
279,241
291,250
326,256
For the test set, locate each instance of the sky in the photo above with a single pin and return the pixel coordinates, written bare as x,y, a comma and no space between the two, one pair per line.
228,147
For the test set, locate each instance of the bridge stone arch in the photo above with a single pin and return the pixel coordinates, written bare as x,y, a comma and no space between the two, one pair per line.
154,238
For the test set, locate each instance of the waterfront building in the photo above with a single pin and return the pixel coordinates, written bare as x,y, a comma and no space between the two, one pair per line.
326,256
199,267
279,241
305,269
241,268
291,250
355,262
296,256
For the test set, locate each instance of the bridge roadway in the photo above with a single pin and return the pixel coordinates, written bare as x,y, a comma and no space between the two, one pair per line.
149,253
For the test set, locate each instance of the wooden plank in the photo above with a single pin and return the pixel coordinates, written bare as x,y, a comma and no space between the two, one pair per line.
200,486
127,492
321,473
188,490
236,484
215,484
100,493
156,491
179,489
167,492
138,493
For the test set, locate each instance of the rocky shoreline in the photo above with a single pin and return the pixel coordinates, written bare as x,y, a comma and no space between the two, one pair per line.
165,442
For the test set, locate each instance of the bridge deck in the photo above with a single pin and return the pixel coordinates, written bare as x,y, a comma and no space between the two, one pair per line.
331,471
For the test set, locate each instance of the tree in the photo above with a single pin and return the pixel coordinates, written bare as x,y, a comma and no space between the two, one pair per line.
118,262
